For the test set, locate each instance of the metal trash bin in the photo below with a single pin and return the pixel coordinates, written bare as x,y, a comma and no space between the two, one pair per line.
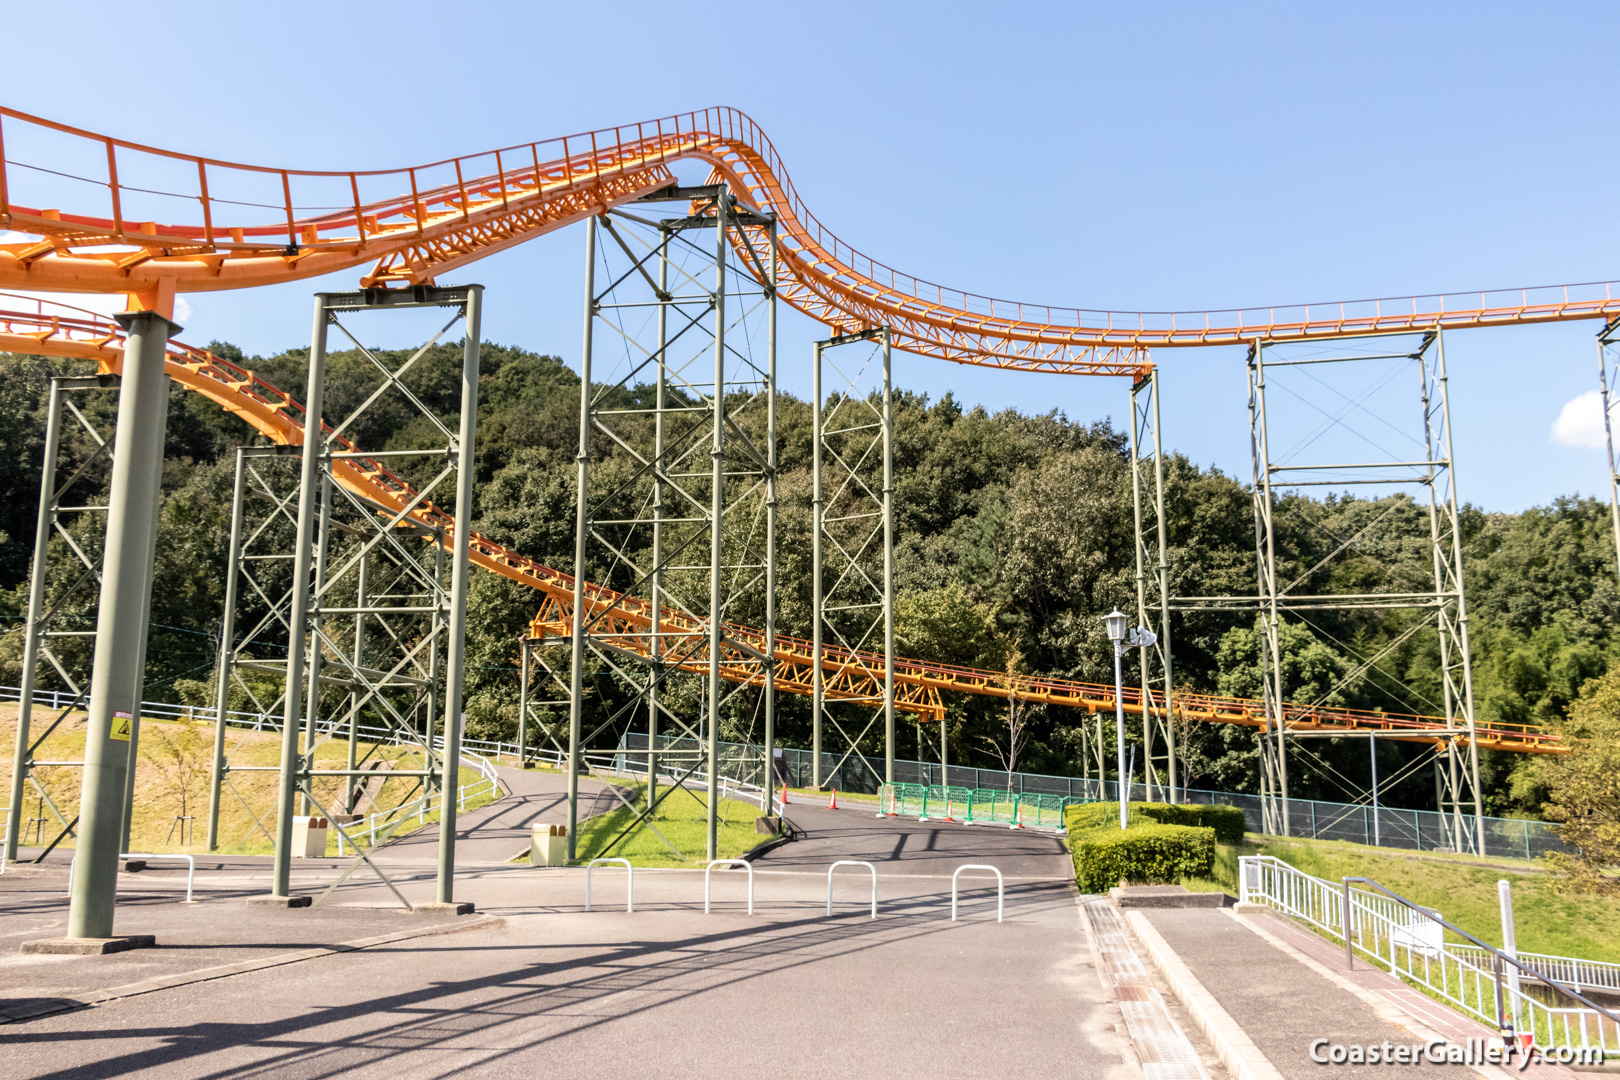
309,837
548,845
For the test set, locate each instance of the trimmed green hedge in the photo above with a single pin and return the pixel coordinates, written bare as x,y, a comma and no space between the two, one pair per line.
1227,821
1142,855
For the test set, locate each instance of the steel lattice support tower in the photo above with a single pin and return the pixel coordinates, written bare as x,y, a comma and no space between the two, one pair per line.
852,554
677,491
1608,344
1153,587
62,502
374,610
1458,767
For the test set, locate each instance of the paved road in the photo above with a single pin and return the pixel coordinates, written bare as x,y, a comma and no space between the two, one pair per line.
665,992
497,832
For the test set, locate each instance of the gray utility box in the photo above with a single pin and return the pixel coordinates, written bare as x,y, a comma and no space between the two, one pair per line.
548,845
309,837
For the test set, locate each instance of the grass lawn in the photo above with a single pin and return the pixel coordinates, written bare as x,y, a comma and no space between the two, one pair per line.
681,820
1461,888
175,757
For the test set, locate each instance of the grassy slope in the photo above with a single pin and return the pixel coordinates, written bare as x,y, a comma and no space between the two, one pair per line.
157,800
1462,889
680,817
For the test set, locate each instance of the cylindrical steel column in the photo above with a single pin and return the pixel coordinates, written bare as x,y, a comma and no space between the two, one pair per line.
362,598
888,562
816,512
316,660
227,652
126,577
523,701
155,412
460,568
655,652
576,703
302,597
717,507
21,764
768,781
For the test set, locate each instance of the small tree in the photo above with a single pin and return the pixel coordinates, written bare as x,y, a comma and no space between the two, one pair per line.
180,757
1583,787
1012,737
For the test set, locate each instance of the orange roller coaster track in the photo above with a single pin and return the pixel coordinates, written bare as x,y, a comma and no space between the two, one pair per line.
160,225
620,622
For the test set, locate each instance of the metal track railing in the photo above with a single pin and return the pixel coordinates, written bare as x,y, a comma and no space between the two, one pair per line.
1410,942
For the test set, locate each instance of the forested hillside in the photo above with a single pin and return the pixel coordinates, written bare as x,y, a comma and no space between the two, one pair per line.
1014,538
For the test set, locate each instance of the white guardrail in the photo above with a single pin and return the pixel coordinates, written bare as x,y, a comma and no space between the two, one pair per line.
1411,942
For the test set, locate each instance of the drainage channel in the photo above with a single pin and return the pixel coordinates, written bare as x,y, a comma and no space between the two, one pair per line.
1161,1045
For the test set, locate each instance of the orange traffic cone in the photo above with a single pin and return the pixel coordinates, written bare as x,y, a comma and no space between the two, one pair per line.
948,809
784,793
891,803
832,803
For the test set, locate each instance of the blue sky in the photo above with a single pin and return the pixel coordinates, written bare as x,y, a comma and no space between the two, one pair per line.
1131,156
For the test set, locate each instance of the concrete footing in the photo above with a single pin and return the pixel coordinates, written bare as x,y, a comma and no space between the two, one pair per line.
274,901
96,946
456,907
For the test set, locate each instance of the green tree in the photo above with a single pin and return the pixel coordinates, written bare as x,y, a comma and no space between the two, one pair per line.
1583,787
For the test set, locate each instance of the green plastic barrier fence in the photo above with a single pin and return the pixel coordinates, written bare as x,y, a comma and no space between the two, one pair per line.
974,805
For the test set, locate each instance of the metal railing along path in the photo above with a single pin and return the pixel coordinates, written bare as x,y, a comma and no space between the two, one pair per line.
1410,942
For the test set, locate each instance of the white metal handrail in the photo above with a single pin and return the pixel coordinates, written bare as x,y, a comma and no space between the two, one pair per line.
1001,887
852,862
629,881
1391,931
1580,973
744,863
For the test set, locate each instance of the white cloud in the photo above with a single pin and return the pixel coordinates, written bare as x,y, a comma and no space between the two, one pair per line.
1580,422
182,310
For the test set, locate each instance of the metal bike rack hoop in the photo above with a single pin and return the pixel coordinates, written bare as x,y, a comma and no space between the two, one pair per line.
744,863
1001,887
629,882
852,862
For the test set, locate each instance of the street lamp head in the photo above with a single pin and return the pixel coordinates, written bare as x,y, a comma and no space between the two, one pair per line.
1115,622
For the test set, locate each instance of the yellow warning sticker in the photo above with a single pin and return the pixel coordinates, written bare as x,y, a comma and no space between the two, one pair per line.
120,726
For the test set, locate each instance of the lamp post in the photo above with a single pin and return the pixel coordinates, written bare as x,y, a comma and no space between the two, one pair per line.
1115,622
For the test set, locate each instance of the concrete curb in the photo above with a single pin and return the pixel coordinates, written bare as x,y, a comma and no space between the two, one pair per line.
1243,1060
69,1002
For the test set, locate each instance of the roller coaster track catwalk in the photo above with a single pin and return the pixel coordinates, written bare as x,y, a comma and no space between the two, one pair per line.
620,622
160,225
413,224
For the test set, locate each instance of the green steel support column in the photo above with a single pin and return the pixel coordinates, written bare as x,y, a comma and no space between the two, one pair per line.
298,623
21,763
888,562
157,413
717,505
1164,591
576,704
768,780
1605,340
227,652
125,594
655,670
523,700
816,509
312,708
351,756
461,567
